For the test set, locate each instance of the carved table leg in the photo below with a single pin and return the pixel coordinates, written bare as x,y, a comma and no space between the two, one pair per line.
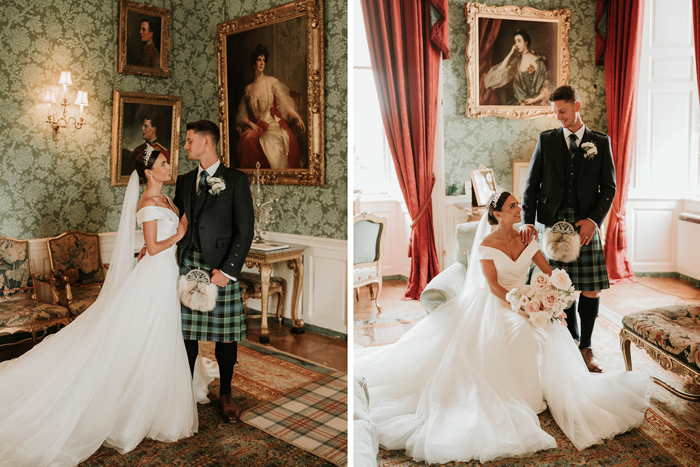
265,273
298,269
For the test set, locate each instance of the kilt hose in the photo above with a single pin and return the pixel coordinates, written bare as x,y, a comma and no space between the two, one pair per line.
588,272
226,322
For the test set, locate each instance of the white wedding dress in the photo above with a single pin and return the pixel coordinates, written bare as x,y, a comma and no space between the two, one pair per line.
468,381
116,374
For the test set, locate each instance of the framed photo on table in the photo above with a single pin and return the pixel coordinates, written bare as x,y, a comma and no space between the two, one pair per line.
271,93
519,177
483,185
137,119
516,56
144,40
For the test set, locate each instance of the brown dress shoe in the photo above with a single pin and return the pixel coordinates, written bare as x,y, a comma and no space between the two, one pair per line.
229,409
591,361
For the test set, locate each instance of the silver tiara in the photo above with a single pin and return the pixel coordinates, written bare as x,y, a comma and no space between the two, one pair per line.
147,153
496,196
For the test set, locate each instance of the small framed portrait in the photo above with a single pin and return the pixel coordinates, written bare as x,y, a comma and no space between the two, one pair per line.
483,185
519,177
516,57
139,119
271,93
144,40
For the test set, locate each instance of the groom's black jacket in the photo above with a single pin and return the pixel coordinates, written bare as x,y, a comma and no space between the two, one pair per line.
545,187
225,223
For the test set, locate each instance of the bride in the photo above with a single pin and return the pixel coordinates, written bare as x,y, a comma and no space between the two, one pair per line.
119,372
468,381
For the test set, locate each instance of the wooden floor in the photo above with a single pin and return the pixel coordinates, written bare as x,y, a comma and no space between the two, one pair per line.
622,299
327,351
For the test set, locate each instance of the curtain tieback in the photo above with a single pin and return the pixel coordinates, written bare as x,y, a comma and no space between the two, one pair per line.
621,229
423,208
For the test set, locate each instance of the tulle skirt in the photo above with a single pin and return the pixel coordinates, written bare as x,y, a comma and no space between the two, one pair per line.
468,381
115,375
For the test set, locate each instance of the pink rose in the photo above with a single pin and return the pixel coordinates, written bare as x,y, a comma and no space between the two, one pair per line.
540,281
532,307
549,298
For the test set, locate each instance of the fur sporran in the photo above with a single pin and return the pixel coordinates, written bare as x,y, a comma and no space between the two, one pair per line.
562,242
196,290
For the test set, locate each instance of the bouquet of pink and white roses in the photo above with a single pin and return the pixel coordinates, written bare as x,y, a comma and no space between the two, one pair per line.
545,299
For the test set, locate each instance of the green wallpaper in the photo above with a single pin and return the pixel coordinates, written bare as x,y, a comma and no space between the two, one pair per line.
46,190
497,141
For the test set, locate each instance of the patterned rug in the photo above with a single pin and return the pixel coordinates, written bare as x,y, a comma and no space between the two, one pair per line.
262,374
669,437
313,417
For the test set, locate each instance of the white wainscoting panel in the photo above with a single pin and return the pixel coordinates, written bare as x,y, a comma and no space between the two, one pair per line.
652,227
324,295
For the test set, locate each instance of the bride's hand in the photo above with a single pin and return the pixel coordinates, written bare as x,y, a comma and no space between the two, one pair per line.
182,227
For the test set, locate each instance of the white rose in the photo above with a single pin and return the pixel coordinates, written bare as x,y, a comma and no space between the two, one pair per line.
540,281
512,296
539,319
530,291
560,279
522,301
219,186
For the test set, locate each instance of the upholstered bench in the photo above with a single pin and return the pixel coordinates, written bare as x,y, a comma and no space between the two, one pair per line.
671,336
251,287
20,311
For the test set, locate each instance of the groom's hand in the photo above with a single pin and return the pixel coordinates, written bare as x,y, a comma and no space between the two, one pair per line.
527,233
218,278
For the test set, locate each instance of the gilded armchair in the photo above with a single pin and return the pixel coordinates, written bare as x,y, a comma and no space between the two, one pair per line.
368,246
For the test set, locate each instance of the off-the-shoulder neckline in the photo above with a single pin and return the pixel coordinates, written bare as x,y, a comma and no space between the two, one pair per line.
506,254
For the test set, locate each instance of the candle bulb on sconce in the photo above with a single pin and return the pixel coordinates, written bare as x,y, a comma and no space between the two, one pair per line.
50,98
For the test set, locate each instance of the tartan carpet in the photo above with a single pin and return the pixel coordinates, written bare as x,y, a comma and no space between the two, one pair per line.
313,417
261,375
670,435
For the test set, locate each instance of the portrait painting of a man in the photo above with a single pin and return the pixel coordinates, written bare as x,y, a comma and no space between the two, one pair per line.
144,40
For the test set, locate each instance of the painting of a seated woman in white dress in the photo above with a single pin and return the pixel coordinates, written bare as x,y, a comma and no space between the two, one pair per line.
271,95
515,58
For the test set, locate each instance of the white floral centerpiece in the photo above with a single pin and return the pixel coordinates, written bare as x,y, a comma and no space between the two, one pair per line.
545,299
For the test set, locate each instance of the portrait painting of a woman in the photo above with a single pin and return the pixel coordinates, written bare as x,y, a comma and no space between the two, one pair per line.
525,69
264,116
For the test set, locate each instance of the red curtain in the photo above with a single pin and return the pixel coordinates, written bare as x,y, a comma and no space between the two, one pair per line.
696,36
488,31
405,52
625,19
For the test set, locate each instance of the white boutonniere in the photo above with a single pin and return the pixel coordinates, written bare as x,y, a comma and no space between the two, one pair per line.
591,150
216,184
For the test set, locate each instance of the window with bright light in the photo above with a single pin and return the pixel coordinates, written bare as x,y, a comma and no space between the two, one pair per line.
373,168
668,118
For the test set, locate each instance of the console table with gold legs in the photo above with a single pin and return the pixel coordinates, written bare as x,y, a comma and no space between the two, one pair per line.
263,261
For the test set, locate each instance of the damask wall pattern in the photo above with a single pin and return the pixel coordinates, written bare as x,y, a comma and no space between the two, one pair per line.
46,190
496,141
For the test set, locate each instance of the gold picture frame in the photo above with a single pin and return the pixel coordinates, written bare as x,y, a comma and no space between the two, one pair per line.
519,177
139,55
483,185
511,77
293,35
131,112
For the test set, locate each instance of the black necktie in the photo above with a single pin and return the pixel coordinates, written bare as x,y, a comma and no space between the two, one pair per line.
572,144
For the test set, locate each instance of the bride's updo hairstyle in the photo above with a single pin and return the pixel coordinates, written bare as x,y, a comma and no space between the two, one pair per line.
143,162
496,202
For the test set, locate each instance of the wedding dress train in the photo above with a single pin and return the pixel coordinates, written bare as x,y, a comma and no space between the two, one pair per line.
116,374
468,381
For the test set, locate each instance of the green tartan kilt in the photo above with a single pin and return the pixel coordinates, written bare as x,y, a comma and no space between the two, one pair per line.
588,272
226,322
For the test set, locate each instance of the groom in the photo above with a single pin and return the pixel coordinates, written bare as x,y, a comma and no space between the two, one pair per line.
569,179
218,238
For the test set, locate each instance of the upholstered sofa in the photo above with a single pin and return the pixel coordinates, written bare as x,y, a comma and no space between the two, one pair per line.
365,440
21,314
671,336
